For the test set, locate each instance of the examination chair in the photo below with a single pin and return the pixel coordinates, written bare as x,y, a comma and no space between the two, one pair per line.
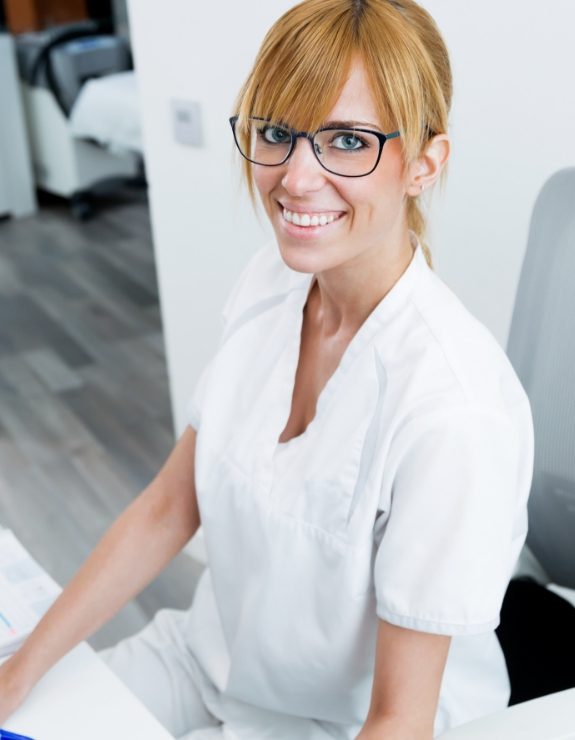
537,627
59,67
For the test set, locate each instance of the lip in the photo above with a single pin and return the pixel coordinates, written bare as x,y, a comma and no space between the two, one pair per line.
305,233
299,209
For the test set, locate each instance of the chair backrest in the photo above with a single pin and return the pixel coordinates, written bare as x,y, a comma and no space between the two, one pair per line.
541,348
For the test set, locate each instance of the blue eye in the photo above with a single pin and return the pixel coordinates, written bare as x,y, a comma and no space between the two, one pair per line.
275,135
348,141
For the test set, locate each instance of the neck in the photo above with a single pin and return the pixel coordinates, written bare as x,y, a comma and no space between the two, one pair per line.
341,299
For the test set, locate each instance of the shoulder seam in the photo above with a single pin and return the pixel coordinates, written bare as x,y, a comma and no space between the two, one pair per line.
443,352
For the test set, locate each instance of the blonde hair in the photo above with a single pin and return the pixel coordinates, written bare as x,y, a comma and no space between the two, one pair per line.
304,60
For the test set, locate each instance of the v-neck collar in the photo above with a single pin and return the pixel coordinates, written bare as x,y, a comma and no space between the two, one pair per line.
384,311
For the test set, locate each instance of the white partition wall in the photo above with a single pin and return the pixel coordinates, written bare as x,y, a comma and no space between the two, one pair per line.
17,197
204,228
512,127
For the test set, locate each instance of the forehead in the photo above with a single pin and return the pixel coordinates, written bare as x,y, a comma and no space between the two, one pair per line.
356,100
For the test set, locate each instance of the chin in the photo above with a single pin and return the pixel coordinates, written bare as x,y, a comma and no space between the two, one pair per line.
305,260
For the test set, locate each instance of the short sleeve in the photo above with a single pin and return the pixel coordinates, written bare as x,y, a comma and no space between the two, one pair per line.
456,523
196,401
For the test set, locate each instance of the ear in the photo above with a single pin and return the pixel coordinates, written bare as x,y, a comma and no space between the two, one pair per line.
427,167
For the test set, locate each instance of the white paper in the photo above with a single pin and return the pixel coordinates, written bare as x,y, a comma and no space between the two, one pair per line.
26,592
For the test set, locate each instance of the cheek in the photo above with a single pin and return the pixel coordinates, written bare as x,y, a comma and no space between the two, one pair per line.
382,196
364,198
265,180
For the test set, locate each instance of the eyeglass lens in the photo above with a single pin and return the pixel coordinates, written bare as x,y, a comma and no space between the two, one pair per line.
342,151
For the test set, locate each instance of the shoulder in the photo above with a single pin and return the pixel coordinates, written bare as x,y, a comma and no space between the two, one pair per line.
264,279
446,356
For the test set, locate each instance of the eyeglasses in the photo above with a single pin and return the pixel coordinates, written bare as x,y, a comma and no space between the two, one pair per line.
349,152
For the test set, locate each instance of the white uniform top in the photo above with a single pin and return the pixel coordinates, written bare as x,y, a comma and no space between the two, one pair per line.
404,499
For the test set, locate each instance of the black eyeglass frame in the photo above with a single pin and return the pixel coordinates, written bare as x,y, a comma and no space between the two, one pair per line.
295,135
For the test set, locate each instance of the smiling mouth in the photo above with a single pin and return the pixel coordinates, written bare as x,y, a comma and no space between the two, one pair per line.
309,219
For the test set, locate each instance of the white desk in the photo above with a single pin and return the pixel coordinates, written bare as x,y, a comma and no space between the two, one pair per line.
550,717
81,699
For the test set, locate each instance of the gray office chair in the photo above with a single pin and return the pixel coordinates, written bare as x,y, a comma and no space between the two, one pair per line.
537,629
541,347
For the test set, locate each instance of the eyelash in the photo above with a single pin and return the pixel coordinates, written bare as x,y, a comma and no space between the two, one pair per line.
264,129
364,143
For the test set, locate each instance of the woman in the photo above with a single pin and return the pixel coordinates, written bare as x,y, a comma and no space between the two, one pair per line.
360,449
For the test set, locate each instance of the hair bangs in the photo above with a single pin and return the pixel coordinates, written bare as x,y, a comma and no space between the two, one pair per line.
298,80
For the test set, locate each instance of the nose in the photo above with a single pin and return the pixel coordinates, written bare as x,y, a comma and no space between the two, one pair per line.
303,173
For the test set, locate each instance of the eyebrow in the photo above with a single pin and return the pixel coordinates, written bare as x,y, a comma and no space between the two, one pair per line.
350,124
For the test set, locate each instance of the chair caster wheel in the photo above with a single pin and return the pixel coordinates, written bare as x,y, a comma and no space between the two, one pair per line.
81,209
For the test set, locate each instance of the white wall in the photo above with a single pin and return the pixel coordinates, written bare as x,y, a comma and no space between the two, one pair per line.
512,126
204,229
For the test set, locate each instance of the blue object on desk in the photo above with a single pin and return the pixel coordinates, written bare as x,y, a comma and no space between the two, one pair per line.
5,735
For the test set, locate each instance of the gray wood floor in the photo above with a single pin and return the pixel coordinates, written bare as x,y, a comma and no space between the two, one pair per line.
85,420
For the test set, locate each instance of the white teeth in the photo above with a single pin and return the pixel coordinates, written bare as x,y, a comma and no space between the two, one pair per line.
308,219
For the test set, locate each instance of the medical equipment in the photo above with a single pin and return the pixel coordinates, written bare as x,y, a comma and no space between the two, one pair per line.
54,67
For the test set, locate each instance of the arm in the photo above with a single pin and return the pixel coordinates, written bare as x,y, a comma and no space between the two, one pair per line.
408,670
140,543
